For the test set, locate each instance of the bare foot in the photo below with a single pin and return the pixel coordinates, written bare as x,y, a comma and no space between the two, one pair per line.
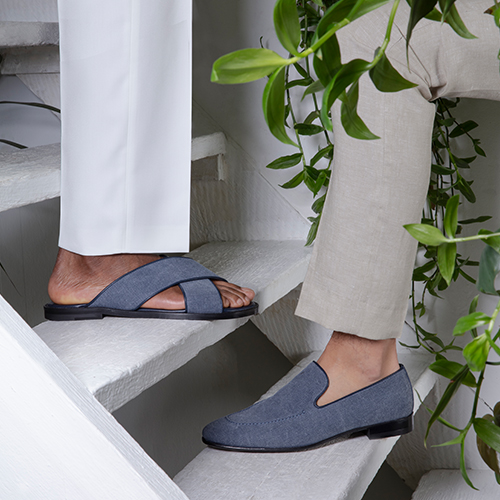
353,362
77,279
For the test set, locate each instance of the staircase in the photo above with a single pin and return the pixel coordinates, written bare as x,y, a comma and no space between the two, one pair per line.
61,380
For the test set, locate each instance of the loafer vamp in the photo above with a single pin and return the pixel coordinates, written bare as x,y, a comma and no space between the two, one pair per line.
291,419
291,401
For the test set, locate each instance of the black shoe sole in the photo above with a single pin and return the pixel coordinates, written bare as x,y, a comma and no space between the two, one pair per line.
56,312
379,431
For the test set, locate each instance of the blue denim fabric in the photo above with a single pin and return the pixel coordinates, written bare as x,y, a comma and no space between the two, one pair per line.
291,418
133,289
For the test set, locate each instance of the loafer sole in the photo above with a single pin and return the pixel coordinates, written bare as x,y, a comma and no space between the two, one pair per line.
378,431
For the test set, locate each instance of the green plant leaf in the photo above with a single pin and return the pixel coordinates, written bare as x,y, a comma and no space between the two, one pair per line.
293,183
483,218
419,10
322,153
326,60
428,235
476,353
348,9
273,105
455,21
449,392
318,205
440,170
301,71
488,454
493,242
471,321
348,74
386,78
313,115
489,267
488,432
463,128
287,25
320,182
445,7
352,123
14,144
285,161
450,370
313,231
458,440
303,82
308,129
463,468
464,187
316,86
451,216
446,260
246,65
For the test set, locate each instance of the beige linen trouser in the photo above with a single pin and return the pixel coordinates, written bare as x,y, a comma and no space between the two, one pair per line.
359,278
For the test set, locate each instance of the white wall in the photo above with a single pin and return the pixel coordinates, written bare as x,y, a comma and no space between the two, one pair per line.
28,242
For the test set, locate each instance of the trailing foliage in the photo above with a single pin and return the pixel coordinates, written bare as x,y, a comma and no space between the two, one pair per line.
307,29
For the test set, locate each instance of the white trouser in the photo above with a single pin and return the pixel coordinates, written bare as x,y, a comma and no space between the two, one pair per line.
126,125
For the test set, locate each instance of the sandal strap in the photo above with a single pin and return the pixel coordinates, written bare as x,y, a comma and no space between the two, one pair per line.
201,297
132,290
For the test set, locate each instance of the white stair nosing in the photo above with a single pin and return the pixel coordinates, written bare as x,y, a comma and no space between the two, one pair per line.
208,145
28,34
449,485
117,358
29,176
32,175
341,471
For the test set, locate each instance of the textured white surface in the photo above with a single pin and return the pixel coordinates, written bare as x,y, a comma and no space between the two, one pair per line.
27,34
295,337
29,10
32,175
29,175
56,440
40,59
117,359
208,145
45,86
449,485
339,471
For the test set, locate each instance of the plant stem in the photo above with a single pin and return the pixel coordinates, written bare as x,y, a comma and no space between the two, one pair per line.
472,238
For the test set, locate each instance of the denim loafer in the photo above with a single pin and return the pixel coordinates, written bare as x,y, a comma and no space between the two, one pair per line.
291,420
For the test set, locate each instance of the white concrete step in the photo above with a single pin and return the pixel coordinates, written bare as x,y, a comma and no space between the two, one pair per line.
28,34
449,485
117,359
339,471
32,175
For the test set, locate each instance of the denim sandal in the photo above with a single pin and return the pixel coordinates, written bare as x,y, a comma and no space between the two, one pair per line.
291,420
125,296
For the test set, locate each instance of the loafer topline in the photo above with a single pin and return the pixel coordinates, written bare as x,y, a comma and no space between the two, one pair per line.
291,420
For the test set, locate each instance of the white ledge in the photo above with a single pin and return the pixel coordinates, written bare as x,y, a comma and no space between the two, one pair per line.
117,359
31,175
339,471
449,485
28,34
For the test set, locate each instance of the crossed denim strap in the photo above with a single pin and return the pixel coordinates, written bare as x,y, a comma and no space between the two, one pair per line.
135,288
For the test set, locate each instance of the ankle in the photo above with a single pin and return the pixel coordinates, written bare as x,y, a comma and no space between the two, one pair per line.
361,358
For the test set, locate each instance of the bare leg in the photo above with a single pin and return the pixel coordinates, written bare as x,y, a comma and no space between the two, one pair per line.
77,279
352,363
